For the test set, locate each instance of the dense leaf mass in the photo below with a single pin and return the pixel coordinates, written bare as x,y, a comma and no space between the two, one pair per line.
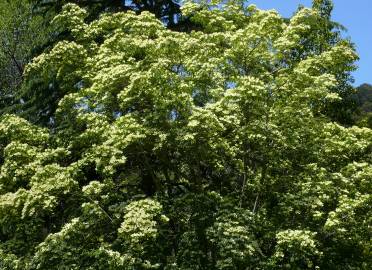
363,98
200,150
21,34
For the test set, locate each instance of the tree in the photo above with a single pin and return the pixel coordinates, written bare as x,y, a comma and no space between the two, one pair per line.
21,33
39,101
330,33
363,99
187,150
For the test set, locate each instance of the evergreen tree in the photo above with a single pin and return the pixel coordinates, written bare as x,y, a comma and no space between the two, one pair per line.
340,110
21,34
363,99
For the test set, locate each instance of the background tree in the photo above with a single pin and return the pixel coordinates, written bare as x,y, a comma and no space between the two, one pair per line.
166,10
330,33
21,35
363,99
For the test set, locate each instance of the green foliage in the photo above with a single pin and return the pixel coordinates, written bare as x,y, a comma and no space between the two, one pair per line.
166,10
296,249
26,31
21,34
363,98
208,149
232,235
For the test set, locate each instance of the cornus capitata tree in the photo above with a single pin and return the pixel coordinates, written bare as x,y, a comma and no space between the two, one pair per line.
206,149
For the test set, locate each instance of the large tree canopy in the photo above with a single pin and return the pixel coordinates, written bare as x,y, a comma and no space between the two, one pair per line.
200,150
25,32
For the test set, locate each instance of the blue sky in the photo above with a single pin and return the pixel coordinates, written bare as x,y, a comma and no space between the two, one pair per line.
355,15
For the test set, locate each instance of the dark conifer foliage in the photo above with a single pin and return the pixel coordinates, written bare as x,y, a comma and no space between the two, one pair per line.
166,10
363,100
